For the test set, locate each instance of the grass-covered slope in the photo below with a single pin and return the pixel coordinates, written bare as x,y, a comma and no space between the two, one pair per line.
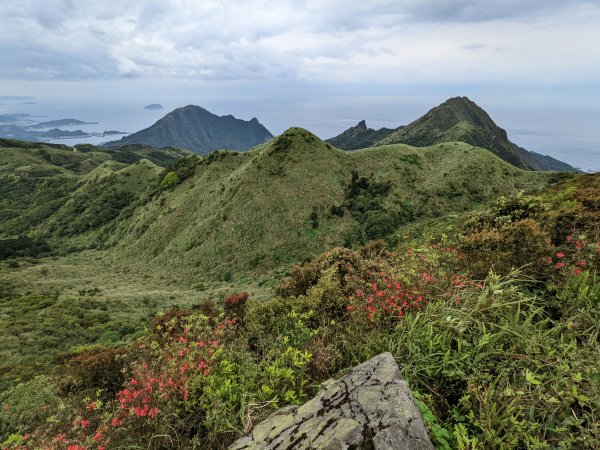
296,196
100,197
36,179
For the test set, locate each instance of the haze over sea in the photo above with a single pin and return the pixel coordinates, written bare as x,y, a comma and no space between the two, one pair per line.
568,134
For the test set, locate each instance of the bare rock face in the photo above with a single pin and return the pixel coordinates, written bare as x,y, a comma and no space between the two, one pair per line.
370,408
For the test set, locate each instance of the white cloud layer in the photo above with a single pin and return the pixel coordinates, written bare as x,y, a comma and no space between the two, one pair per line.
442,41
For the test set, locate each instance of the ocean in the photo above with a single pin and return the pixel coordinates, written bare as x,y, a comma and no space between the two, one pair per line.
572,136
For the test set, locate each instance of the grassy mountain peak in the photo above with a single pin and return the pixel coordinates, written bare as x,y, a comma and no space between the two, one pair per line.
458,119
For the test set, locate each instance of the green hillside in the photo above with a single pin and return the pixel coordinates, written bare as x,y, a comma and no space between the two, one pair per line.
137,236
458,119
36,179
296,196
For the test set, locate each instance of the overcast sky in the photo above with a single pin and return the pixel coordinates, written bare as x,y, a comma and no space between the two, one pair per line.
340,41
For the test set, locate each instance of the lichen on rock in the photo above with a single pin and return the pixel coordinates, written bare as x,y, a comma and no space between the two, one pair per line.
370,408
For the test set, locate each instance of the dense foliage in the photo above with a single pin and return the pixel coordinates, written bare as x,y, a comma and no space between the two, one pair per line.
497,337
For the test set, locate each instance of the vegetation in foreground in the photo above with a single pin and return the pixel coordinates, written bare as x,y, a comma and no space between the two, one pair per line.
494,325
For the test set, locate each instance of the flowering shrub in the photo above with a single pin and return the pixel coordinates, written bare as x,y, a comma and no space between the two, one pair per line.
383,299
575,256
171,364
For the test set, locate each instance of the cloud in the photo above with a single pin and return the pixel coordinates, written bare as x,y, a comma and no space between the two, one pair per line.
475,46
488,10
344,41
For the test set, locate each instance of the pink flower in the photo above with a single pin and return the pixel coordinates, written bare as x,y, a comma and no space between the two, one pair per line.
559,265
115,422
84,423
560,255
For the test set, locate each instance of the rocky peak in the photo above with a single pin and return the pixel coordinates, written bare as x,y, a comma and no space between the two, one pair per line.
362,125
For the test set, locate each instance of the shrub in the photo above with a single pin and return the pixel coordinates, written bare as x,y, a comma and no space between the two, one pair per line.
349,264
95,369
522,244
314,219
183,168
171,179
169,323
26,406
235,306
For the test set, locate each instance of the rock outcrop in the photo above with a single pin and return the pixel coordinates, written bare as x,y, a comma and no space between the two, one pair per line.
370,408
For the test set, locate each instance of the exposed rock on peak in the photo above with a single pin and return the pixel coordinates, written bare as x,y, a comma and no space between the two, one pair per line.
370,408
362,125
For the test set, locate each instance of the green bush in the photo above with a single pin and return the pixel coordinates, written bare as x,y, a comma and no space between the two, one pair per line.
26,406
171,179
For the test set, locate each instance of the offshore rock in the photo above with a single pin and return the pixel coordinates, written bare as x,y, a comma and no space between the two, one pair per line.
370,408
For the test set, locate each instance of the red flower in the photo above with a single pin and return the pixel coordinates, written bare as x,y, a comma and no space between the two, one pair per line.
560,255
84,423
559,265
115,422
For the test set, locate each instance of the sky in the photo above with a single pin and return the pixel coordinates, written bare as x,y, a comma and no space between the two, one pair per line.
292,56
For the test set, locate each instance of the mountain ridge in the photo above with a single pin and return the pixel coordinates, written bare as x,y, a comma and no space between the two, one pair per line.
457,119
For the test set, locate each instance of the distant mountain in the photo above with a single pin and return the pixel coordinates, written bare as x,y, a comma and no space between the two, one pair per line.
359,136
154,106
197,129
60,123
456,120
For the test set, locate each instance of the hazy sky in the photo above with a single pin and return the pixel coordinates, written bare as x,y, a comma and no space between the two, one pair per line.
334,55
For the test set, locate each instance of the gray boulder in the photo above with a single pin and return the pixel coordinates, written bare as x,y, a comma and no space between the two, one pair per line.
370,408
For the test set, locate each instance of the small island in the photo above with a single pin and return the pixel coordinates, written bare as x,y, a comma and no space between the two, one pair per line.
154,106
